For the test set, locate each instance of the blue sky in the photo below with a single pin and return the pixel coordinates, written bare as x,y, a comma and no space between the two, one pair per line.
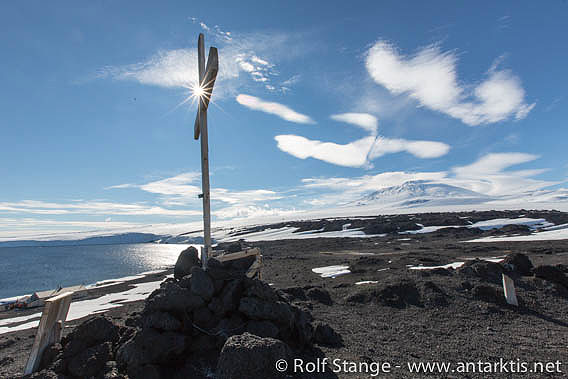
316,104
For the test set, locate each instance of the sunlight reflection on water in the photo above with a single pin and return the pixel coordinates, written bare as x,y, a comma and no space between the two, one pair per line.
24,270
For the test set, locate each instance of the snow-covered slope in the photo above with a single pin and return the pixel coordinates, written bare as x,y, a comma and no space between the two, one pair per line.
417,193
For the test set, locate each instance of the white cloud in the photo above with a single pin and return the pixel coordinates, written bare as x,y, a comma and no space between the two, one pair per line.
353,154
493,163
361,152
277,109
430,78
420,149
364,120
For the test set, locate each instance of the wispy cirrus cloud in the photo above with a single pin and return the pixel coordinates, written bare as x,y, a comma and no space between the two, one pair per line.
430,77
183,189
243,59
361,152
91,208
274,108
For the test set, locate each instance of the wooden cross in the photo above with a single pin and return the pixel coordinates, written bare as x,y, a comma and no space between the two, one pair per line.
204,91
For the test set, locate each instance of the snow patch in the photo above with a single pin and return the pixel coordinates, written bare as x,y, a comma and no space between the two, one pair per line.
331,271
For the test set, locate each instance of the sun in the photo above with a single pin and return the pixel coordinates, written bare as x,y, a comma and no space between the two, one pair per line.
197,91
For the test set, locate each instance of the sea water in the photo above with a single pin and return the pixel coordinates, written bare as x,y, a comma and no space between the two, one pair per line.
24,270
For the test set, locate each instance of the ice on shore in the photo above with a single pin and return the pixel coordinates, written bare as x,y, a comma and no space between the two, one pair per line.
79,309
331,271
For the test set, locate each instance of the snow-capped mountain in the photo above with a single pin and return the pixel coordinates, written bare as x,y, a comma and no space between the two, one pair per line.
418,192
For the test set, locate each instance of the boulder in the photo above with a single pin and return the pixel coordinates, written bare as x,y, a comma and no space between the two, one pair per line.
201,283
250,356
149,346
488,271
92,332
91,361
230,295
161,320
303,330
488,294
186,260
257,309
552,274
326,335
173,298
262,329
320,295
261,290
518,262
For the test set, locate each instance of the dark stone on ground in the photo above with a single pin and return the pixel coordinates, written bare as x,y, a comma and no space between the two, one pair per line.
488,294
488,271
326,335
519,263
262,329
186,260
552,274
201,283
149,346
91,361
250,356
162,321
320,295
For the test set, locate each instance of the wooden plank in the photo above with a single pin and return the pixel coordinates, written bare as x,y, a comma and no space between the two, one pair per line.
509,290
50,326
239,255
207,82
200,73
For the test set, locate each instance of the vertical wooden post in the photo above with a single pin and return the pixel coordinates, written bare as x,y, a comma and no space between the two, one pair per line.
201,128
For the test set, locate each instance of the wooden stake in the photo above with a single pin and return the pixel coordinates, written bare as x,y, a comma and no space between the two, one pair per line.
509,290
49,330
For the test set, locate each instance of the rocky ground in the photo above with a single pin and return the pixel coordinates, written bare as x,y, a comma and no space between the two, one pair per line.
442,315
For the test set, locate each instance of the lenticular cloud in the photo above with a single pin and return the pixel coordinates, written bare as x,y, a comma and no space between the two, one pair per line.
430,78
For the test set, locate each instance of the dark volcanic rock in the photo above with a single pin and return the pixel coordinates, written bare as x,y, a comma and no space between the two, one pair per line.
261,290
325,335
552,274
162,321
398,295
94,331
201,283
488,294
432,296
320,295
262,329
172,297
485,270
249,356
186,260
257,309
45,374
91,361
150,346
518,262
230,295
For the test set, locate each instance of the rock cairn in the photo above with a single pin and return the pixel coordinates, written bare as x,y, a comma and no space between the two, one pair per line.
199,322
